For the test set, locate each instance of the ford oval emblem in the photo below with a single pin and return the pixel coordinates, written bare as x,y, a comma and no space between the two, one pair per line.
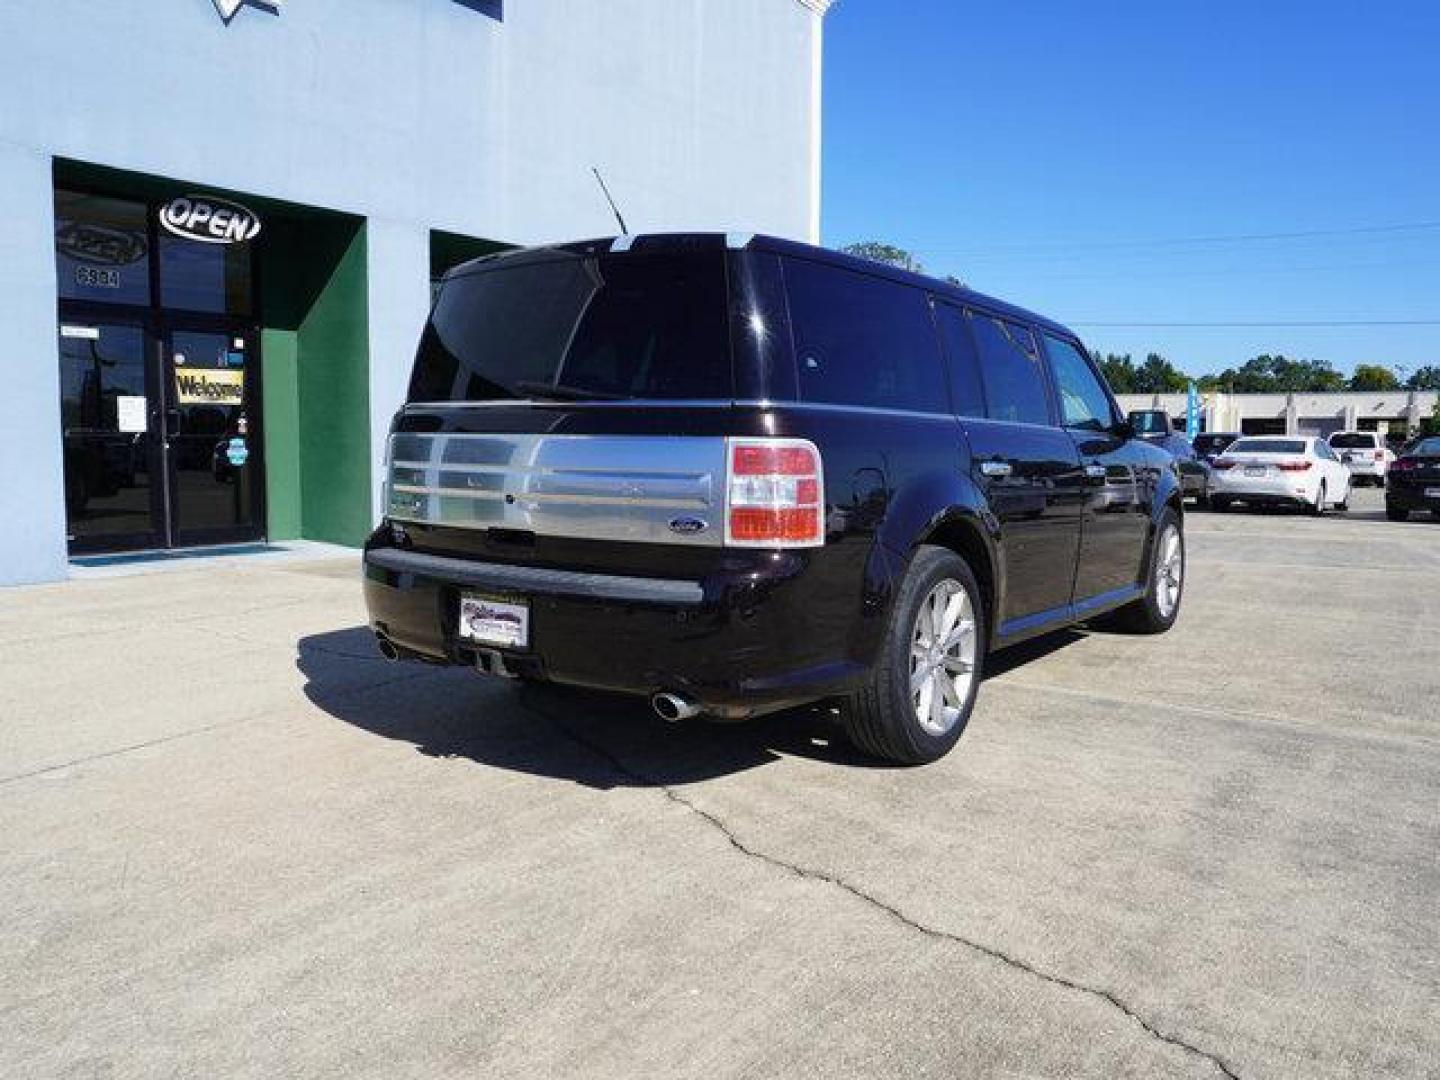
687,526
210,220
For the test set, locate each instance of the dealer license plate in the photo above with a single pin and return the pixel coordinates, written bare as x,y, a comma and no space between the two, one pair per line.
490,621
1255,470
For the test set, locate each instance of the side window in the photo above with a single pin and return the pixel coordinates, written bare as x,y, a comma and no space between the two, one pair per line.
1083,400
966,395
1010,366
863,340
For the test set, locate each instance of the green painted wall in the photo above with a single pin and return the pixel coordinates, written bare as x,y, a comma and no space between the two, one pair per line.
334,389
281,403
316,369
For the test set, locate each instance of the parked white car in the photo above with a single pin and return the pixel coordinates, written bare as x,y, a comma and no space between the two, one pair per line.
1365,453
1294,470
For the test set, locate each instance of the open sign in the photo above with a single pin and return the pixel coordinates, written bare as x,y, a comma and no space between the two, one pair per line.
209,220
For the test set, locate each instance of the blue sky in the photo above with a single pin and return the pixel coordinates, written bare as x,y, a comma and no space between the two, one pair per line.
1067,157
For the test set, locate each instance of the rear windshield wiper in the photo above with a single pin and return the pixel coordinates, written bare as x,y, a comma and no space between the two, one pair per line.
561,392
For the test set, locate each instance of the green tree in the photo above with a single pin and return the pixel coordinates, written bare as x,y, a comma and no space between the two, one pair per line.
889,254
1119,371
1158,376
1267,374
1373,377
1425,378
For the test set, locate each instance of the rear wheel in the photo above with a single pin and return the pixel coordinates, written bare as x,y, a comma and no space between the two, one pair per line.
922,690
1396,513
1156,611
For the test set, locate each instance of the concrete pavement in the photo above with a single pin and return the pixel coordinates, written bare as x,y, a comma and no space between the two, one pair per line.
235,842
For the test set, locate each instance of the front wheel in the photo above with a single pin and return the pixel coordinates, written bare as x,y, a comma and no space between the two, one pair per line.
921,692
1396,513
1156,611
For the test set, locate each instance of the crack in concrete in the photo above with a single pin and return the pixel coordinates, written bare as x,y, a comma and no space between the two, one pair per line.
893,912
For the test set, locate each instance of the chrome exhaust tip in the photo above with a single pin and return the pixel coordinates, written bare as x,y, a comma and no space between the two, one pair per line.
673,707
387,648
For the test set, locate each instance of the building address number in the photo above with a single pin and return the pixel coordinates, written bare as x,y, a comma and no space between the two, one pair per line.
96,277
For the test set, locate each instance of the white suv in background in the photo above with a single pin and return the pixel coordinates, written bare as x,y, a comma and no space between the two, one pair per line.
1365,454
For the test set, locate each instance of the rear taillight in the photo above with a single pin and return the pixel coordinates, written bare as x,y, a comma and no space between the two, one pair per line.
774,493
1293,466
1223,463
1379,455
1404,464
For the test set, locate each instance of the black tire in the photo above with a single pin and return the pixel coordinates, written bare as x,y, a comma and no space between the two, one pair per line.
881,718
1219,504
1148,615
1396,513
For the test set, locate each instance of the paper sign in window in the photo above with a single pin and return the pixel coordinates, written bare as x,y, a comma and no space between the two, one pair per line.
130,414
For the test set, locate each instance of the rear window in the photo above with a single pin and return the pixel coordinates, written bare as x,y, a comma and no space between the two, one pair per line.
1268,446
863,340
1208,444
1352,441
1425,448
580,327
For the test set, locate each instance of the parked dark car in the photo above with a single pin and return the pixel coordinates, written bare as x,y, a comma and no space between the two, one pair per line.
1413,479
1156,428
1209,445
736,474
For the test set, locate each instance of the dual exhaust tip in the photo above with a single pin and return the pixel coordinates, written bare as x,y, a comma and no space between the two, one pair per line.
387,648
674,707
667,706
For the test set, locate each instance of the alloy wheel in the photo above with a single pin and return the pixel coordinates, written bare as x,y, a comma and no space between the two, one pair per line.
1169,572
942,656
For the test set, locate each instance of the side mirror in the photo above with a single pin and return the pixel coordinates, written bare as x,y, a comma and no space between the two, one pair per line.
1151,422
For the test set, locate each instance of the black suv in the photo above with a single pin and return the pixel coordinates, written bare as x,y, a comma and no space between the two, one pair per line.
736,474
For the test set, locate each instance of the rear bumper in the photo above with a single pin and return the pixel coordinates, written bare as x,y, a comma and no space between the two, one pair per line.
1366,468
1411,496
1261,489
758,635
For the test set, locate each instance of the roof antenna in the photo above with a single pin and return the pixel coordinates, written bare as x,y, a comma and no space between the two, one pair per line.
614,209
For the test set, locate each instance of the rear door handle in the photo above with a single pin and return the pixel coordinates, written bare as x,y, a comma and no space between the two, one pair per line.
996,469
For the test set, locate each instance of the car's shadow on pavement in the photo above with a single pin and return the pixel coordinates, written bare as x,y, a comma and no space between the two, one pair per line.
599,740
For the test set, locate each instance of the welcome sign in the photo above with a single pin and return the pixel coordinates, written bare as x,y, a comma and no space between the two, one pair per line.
209,386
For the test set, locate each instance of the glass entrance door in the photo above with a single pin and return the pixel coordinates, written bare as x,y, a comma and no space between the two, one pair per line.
159,375
211,437
109,410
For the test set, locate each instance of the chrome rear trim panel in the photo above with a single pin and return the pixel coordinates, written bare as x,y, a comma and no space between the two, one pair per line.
632,488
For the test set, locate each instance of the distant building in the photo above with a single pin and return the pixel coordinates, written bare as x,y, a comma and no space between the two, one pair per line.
1396,413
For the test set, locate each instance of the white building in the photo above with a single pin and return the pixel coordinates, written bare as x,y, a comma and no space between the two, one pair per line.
1395,413
177,377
